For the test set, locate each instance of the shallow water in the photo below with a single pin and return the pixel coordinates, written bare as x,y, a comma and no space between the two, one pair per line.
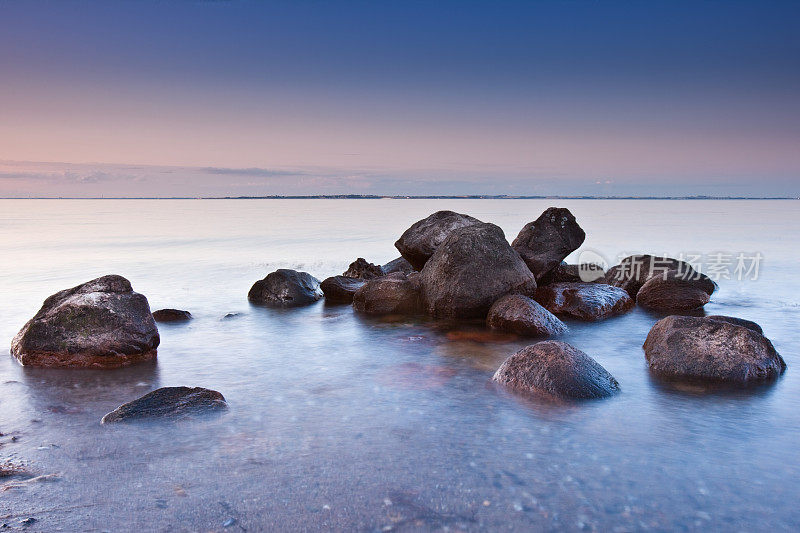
342,422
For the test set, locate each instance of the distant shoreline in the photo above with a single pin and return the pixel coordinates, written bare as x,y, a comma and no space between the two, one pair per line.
400,197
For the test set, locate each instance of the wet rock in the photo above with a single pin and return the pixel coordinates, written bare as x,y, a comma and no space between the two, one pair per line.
168,403
398,265
522,315
389,295
585,301
362,269
738,322
546,241
99,324
557,369
714,349
565,273
635,270
340,289
171,315
418,242
473,268
673,291
286,288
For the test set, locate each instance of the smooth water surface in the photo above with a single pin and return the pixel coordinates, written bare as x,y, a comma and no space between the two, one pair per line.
341,422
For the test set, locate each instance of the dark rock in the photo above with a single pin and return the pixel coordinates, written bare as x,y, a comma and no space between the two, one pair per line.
674,291
557,369
522,315
564,273
546,241
713,349
586,301
101,324
171,315
738,322
341,289
418,242
635,270
362,269
170,403
389,295
398,265
286,288
473,268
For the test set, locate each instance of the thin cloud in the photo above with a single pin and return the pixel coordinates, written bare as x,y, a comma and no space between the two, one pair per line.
253,171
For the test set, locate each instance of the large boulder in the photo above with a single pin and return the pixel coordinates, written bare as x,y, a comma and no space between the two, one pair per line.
556,369
714,349
171,315
546,241
340,289
99,324
522,315
635,270
674,291
168,403
363,269
400,264
394,294
285,288
586,301
418,242
470,270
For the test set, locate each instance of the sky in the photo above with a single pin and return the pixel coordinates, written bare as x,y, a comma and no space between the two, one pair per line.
232,98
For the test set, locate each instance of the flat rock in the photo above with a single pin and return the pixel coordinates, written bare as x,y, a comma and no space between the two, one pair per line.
556,369
168,403
98,324
714,349
286,288
546,241
171,315
473,268
340,289
363,269
674,291
522,315
585,301
394,294
418,242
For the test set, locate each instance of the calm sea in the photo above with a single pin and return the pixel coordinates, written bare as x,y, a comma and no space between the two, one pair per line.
341,422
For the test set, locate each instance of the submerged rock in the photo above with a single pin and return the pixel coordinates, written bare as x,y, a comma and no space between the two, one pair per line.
340,289
169,403
99,324
673,291
398,265
714,349
524,316
473,268
171,315
546,241
557,369
286,288
418,242
586,301
390,295
362,269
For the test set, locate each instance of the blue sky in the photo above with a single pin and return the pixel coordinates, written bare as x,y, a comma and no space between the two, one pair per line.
143,98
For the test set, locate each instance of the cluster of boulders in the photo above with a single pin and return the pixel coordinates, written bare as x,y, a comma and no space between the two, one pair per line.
452,266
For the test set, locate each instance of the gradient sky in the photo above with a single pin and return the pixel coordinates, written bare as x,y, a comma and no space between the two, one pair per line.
143,98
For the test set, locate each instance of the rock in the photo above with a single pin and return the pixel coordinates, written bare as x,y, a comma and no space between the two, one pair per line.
286,288
564,273
341,289
714,349
586,301
673,291
738,322
635,270
522,315
171,315
99,324
170,403
473,268
398,265
389,295
557,369
418,242
361,269
546,241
